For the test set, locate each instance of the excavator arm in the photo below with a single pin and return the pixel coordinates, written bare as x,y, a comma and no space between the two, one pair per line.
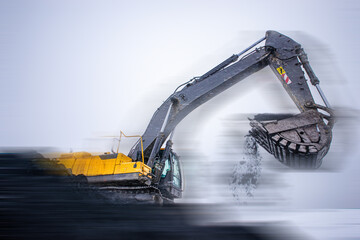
300,141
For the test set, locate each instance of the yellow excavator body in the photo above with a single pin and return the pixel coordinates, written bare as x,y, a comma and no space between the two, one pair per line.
104,168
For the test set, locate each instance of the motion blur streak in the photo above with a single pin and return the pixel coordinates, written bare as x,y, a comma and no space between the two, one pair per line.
35,205
247,184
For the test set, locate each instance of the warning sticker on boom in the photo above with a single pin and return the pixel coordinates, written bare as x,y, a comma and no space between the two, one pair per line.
283,75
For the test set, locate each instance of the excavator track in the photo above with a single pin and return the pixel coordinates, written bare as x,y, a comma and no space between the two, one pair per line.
300,141
134,194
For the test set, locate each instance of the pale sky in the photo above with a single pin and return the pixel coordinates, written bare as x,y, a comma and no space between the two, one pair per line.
77,70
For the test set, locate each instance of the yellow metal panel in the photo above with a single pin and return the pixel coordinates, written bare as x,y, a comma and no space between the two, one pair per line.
122,158
66,155
88,165
146,169
126,168
81,166
77,162
96,166
67,162
82,155
122,168
132,167
109,166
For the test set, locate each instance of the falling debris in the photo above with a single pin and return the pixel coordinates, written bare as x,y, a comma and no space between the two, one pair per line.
246,173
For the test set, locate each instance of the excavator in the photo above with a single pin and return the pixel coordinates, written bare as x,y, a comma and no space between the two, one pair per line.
151,170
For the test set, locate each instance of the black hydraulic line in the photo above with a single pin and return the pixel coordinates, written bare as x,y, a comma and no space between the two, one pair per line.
250,47
305,62
327,104
225,63
228,61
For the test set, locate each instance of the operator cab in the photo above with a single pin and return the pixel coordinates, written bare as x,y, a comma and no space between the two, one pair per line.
170,182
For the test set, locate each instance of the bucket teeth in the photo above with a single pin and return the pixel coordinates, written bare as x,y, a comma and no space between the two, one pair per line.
299,141
292,147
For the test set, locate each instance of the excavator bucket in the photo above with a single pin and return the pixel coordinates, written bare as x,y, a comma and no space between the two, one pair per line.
299,141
